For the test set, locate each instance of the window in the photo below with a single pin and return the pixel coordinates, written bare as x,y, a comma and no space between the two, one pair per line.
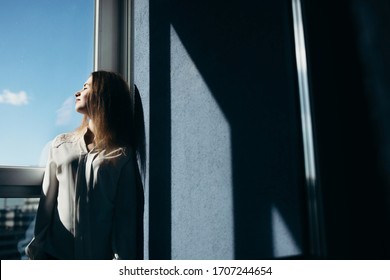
46,54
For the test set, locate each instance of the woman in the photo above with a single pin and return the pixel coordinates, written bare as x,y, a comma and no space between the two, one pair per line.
92,202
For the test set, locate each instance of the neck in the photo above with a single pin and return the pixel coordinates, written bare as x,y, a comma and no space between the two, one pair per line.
91,126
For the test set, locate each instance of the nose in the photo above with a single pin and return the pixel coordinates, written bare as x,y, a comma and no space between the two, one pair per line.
77,94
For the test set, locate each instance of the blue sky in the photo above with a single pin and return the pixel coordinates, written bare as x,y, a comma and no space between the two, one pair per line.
46,49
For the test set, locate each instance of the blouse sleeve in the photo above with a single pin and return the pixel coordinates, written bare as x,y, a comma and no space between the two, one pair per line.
47,202
127,237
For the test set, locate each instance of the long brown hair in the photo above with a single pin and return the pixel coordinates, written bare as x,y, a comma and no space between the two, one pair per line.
111,107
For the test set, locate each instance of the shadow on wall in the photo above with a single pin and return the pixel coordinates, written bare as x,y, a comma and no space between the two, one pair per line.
244,52
160,133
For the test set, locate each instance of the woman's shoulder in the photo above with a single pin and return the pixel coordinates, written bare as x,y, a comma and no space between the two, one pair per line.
69,137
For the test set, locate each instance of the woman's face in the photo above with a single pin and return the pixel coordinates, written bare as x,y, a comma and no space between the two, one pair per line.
81,97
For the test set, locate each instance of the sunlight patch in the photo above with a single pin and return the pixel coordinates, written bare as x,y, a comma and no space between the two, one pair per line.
284,243
201,164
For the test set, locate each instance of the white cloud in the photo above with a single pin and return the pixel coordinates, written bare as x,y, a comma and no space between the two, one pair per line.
64,114
14,98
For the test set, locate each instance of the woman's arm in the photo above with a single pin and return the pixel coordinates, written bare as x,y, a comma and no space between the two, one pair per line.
47,202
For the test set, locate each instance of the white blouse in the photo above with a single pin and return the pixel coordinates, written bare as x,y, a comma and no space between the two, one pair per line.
91,206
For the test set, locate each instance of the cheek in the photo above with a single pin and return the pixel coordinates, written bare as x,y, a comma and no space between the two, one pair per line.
86,96
84,99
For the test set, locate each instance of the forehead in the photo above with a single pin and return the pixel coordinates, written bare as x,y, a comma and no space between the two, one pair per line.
88,81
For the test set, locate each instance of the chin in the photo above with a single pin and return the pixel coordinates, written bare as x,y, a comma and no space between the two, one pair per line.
80,110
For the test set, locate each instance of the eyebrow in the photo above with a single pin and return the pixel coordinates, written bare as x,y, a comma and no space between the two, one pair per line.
86,84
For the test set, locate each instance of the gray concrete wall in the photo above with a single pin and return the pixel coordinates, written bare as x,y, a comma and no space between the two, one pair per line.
225,168
141,80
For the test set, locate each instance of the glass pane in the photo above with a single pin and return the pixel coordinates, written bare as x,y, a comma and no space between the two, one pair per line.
16,226
46,55
46,51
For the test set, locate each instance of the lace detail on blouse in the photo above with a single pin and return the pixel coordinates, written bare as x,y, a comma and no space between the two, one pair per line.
65,138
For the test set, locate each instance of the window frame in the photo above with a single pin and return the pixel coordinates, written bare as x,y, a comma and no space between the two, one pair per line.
20,182
316,224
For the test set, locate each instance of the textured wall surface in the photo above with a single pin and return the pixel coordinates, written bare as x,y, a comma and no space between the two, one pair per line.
202,199
141,79
225,172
